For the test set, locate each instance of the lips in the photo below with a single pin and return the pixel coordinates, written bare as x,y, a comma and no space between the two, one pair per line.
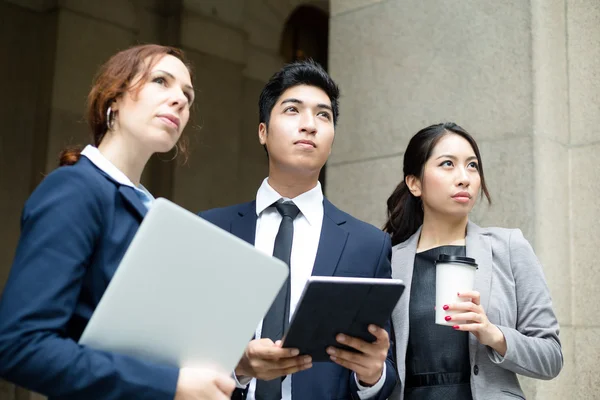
306,142
462,195
170,118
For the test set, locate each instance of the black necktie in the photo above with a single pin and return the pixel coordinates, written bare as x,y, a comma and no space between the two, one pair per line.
278,316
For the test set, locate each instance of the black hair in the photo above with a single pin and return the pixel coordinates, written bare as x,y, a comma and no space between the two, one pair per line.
404,210
305,72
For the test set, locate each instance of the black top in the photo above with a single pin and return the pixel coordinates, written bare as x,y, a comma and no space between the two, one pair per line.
437,357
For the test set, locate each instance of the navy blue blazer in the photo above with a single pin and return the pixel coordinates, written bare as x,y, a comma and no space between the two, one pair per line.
75,229
347,247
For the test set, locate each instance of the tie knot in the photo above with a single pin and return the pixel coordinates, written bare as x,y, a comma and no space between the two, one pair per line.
287,209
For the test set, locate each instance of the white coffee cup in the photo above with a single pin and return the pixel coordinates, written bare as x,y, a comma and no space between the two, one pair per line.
453,275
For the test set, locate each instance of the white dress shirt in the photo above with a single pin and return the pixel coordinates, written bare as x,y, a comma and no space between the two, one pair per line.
307,232
93,154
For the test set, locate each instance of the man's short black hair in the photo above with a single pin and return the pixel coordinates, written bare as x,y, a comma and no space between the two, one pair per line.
305,72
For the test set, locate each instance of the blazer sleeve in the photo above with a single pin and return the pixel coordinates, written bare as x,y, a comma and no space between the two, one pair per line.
533,348
60,225
384,270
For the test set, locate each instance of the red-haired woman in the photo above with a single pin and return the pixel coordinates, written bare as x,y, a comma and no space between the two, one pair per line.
75,229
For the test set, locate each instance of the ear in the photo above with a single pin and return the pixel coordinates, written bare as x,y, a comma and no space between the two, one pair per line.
114,105
414,185
262,133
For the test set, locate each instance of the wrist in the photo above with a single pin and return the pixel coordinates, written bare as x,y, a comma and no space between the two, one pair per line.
498,341
369,380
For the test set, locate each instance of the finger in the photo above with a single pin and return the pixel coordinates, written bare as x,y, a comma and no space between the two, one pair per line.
464,306
470,316
468,327
357,368
353,342
287,363
225,384
380,334
274,353
293,370
473,295
349,356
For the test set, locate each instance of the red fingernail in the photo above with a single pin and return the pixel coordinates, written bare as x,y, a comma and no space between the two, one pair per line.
455,327
458,294
448,318
446,307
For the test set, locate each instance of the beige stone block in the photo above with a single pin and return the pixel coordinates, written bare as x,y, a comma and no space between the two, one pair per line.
362,188
212,38
83,45
585,232
261,64
254,165
119,12
66,129
583,24
345,6
508,168
260,13
23,115
401,68
264,36
210,178
550,76
229,11
552,223
587,354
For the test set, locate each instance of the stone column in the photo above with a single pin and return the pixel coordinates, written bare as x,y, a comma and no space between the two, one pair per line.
522,78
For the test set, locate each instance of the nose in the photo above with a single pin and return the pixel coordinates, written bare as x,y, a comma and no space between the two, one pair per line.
307,123
178,98
463,178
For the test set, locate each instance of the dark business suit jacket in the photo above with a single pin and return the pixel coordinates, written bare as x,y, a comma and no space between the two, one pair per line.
347,247
75,229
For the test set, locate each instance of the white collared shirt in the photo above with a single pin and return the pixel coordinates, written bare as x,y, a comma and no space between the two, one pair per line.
93,154
307,233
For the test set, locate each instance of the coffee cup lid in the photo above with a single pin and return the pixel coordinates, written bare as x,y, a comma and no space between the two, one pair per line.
445,258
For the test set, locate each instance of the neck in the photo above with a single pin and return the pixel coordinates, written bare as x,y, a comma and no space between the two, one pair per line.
442,231
290,184
125,156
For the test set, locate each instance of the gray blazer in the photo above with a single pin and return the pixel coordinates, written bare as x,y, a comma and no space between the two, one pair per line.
515,297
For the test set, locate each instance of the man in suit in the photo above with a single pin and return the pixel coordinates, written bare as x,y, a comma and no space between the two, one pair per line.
291,220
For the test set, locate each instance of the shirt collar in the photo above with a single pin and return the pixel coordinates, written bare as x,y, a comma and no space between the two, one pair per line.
310,203
98,159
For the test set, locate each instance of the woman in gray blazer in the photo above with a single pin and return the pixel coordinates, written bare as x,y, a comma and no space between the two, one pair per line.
506,325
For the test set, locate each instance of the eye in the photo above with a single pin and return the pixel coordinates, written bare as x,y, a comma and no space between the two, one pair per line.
447,163
291,108
325,114
160,80
473,164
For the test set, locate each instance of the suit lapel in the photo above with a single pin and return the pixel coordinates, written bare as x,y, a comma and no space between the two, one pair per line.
331,245
403,262
479,247
332,241
244,226
132,199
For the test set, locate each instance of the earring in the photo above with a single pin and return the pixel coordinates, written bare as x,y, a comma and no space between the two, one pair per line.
110,123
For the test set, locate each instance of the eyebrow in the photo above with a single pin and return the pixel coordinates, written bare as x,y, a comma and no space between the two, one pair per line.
298,101
173,77
450,156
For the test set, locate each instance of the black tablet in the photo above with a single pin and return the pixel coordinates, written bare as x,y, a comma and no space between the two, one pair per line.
332,305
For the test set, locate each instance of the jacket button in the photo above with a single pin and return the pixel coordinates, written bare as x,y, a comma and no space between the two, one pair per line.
476,369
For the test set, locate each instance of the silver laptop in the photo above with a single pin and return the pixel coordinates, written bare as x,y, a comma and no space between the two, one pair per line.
186,293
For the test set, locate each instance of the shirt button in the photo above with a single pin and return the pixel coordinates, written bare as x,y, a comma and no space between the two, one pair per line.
476,369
